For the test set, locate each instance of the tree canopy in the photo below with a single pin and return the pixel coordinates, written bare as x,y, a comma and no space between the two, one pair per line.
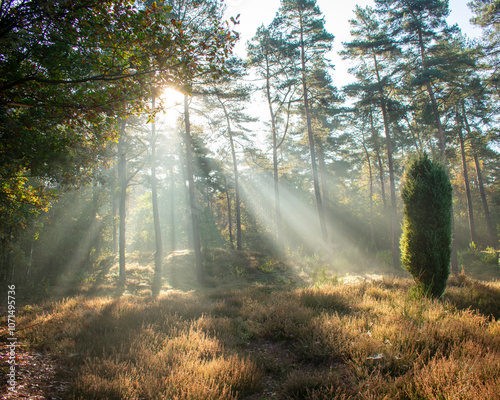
69,69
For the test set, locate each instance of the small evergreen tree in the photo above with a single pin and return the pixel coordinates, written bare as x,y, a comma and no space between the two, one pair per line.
426,239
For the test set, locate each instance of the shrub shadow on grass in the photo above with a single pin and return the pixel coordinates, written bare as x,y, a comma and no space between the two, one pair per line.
230,269
465,293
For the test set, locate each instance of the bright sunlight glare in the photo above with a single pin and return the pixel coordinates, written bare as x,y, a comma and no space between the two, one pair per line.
170,102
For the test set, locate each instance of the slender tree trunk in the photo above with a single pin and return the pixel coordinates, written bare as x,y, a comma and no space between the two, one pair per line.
491,229
114,210
172,210
192,199
94,228
392,183
239,244
277,207
472,226
386,212
229,216
317,192
324,184
392,186
157,279
184,179
30,262
122,179
381,178
489,225
370,192
382,182
435,111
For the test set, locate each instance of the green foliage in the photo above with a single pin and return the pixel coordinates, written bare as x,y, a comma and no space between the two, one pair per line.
69,68
490,256
426,239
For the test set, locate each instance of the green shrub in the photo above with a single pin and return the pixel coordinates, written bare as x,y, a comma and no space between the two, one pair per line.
426,239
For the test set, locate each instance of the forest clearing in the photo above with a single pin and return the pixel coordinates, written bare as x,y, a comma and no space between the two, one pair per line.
264,330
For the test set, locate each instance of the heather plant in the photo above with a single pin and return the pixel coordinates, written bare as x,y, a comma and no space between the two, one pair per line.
362,339
426,239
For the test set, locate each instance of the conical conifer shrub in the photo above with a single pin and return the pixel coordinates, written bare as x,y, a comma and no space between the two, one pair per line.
426,240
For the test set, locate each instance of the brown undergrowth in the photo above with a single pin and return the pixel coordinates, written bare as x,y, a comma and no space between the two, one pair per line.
371,339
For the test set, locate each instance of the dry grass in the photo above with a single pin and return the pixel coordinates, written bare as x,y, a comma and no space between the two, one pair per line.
367,340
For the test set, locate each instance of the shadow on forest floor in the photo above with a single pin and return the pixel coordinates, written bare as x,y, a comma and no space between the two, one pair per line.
260,328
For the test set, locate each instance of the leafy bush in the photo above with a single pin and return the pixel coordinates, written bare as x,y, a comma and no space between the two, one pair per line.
426,239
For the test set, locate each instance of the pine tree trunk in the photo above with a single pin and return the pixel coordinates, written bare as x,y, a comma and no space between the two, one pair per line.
492,236
277,207
95,227
324,185
122,179
192,196
491,230
172,210
187,211
239,242
229,216
472,226
317,192
390,164
382,180
114,211
370,193
158,271
385,206
381,176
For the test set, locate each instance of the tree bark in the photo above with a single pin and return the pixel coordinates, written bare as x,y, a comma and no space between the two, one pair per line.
114,211
172,210
192,196
158,271
323,180
382,182
122,179
472,226
229,216
317,192
381,178
392,184
277,207
491,230
492,236
239,243
370,192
